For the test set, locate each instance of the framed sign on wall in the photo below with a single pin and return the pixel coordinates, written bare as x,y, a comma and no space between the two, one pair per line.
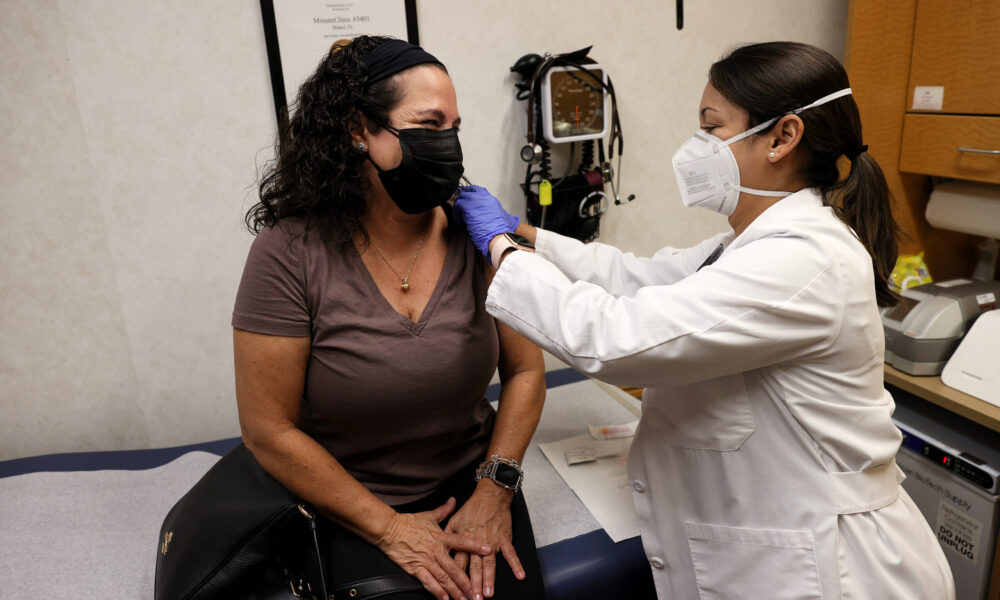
299,32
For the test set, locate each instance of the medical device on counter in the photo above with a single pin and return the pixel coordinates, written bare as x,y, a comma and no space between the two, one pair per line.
975,367
923,330
570,99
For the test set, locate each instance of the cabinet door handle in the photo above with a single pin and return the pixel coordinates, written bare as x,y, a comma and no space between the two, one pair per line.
977,150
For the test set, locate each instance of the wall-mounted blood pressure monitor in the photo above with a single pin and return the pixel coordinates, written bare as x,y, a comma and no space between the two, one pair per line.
569,98
575,104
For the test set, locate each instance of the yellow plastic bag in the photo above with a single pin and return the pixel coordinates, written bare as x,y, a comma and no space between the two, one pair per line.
910,271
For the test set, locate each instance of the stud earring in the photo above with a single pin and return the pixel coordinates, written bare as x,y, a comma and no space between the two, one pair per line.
771,155
361,146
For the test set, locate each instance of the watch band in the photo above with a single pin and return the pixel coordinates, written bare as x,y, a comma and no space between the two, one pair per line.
508,241
500,245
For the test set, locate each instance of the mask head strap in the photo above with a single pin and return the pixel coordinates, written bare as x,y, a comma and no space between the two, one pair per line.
824,100
773,120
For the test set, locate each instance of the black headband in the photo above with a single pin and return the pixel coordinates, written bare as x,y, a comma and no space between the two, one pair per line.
389,58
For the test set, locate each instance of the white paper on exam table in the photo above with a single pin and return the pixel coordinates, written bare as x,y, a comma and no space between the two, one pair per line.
602,485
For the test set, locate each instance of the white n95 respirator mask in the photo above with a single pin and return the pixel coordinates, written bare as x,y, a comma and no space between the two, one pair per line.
707,171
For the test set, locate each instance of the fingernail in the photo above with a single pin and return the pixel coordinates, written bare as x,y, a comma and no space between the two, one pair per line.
485,549
488,590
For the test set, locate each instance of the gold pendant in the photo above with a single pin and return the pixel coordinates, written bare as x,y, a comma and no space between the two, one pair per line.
404,286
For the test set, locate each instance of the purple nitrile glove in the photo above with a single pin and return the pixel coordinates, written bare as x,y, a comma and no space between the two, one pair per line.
483,216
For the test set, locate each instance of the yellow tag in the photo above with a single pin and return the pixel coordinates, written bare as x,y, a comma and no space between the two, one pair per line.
545,193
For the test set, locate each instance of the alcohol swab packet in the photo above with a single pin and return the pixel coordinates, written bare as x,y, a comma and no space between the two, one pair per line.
610,432
575,456
599,449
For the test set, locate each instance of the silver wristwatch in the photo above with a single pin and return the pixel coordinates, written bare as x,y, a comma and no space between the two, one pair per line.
504,472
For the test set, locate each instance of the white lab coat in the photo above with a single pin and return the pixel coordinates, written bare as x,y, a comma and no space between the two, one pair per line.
763,467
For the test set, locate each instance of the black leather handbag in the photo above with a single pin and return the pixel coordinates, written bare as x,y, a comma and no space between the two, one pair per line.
239,533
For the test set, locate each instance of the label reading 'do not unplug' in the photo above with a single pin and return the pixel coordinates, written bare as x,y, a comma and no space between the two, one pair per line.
959,532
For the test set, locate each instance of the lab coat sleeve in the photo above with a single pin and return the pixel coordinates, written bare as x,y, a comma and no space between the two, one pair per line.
622,273
773,300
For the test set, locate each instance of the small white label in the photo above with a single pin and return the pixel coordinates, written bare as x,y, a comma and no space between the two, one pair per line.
959,532
987,301
928,97
953,283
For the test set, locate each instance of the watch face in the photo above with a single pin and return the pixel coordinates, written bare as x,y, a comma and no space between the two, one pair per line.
507,474
520,240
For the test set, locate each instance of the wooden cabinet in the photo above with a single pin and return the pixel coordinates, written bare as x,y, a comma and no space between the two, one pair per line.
954,146
952,126
956,46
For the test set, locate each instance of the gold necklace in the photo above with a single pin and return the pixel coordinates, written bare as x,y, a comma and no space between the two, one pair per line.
403,281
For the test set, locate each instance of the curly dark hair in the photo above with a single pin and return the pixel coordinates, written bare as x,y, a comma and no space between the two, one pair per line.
317,174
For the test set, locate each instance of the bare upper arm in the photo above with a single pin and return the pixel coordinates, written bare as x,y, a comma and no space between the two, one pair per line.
518,354
270,378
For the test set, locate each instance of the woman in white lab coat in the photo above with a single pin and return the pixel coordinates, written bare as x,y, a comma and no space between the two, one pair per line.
763,466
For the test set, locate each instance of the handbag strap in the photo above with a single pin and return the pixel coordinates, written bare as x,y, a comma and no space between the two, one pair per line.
364,589
319,554
376,587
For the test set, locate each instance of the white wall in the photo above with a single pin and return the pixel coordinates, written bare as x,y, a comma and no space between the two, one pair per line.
131,133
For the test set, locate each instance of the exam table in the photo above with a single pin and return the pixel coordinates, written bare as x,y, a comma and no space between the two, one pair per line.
85,524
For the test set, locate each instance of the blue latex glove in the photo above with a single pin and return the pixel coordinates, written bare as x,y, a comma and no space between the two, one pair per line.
483,216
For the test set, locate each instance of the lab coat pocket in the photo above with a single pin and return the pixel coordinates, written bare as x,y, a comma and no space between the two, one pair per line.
738,562
709,415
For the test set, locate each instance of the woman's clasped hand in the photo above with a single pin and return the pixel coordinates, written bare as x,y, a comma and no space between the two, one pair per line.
486,516
417,543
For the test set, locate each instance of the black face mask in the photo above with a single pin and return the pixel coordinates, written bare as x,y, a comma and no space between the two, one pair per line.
430,171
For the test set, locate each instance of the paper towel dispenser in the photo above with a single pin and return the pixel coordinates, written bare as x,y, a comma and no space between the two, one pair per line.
967,207
972,208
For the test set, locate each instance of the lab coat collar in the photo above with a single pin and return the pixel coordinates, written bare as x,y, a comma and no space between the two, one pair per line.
789,208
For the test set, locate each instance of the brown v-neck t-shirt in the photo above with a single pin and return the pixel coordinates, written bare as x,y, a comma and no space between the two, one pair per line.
399,404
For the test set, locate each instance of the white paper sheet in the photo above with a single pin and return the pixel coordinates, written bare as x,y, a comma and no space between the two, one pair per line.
602,485
557,513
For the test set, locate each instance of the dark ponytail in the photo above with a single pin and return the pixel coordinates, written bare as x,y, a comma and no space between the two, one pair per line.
864,205
773,79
